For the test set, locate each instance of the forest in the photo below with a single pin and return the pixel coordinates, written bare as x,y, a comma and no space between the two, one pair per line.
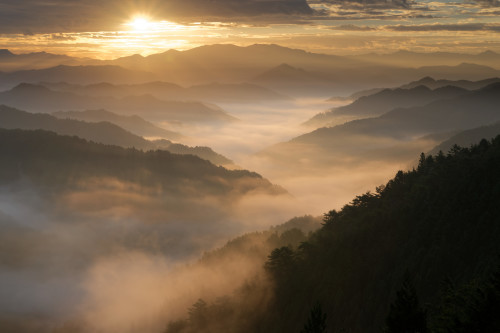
419,254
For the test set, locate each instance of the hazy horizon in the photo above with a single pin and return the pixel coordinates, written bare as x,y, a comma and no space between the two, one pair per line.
161,159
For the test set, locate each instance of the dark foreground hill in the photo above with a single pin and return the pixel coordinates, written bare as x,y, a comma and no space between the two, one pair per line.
438,225
59,162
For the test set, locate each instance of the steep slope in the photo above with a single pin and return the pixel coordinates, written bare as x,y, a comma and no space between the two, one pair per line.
100,132
54,161
439,222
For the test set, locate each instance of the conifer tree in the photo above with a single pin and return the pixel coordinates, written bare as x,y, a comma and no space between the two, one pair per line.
406,315
316,323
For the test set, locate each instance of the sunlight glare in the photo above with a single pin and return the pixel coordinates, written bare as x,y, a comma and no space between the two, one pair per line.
141,24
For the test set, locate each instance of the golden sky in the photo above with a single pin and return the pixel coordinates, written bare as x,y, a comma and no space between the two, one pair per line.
109,29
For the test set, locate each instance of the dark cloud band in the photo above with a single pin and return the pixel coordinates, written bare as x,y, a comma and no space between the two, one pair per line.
34,16
445,27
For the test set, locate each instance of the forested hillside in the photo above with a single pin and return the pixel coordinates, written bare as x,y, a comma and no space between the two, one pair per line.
438,225
48,159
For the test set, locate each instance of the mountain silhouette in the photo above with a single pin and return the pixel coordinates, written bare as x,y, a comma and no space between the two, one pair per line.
76,74
100,132
134,124
386,100
212,92
395,136
37,98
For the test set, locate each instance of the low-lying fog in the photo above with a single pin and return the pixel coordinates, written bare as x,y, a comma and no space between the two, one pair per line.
264,124
99,261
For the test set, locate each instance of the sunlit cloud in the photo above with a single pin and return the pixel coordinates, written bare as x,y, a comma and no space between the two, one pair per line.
125,28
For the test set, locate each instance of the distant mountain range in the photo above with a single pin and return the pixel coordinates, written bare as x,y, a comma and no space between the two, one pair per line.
295,81
213,92
10,62
417,59
384,101
36,98
427,81
397,134
100,132
465,111
134,124
225,53
467,138
76,74
311,81
465,84
226,64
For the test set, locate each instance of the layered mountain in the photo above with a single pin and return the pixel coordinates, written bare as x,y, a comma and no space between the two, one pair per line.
76,74
397,134
465,84
467,138
101,132
345,80
295,81
354,96
213,92
417,59
427,81
38,98
468,71
232,64
10,62
22,150
383,101
134,123
70,205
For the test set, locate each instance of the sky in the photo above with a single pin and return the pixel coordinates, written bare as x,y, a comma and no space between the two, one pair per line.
108,29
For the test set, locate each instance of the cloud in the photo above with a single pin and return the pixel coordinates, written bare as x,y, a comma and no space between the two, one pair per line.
369,4
352,27
33,17
488,3
236,8
446,27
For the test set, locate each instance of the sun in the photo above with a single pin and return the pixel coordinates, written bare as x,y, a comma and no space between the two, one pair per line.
140,24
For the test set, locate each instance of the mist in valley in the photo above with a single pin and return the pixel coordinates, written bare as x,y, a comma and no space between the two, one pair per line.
182,191
99,238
